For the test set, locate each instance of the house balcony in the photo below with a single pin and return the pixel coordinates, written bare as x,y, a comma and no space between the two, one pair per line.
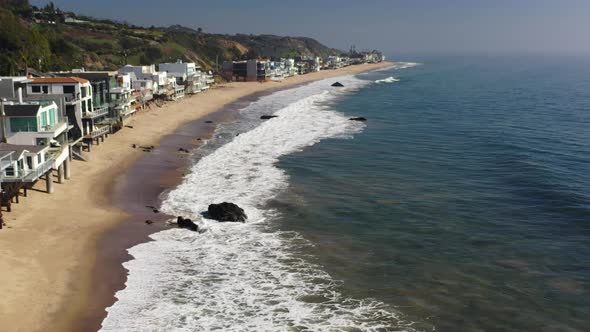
22,175
98,132
120,90
99,111
54,130
5,161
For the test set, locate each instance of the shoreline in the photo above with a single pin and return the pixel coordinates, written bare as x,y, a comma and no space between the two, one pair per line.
62,238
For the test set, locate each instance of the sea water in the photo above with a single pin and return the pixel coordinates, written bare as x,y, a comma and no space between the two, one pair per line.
461,204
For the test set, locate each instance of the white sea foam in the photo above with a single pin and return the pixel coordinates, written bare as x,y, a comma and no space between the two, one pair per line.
245,277
390,79
399,65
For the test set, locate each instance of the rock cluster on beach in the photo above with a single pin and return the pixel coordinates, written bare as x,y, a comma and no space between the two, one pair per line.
338,85
227,212
358,119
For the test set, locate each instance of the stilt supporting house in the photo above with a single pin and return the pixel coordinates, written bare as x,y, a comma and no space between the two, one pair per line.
60,173
49,182
67,171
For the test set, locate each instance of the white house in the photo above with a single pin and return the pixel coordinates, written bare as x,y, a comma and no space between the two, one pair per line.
77,93
37,124
187,74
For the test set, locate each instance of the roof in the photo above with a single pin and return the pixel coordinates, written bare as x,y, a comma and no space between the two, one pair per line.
60,80
19,149
4,154
21,110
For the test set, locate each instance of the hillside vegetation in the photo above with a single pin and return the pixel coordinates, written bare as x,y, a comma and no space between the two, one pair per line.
39,38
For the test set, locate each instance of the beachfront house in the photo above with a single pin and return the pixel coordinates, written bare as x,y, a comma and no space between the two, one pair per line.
79,108
124,97
249,71
333,62
111,95
23,165
289,68
161,86
187,74
37,123
206,79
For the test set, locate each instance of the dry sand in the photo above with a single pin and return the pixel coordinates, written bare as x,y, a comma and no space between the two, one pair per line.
48,250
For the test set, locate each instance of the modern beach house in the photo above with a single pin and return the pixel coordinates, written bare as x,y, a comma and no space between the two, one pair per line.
249,70
187,75
36,142
111,96
124,100
78,97
162,86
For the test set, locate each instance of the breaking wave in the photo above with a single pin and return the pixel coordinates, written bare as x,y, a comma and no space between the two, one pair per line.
390,79
246,277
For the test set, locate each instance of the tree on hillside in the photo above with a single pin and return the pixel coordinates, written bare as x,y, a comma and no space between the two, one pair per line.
20,45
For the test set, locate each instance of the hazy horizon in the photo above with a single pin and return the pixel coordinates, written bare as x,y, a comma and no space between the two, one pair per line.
424,27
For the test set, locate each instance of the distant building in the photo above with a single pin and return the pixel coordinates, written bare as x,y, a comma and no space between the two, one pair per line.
249,70
188,75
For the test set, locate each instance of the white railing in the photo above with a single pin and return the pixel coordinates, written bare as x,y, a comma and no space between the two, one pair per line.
22,175
98,132
98,111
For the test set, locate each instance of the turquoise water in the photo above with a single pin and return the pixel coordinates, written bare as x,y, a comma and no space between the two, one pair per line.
465,202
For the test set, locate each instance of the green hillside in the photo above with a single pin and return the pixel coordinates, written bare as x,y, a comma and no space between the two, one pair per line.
40,38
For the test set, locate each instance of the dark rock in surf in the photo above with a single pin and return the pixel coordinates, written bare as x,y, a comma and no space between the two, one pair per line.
187,223
358,119
208,121
149,222
337,84
227,212
266,117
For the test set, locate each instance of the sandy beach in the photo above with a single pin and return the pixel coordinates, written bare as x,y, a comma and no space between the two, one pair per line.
52,250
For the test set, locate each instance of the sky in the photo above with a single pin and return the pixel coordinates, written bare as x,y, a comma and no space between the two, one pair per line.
423,27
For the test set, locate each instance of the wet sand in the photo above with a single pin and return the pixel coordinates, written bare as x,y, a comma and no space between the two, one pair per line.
61,254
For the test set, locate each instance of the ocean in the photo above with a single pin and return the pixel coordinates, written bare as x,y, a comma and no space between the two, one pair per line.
462,204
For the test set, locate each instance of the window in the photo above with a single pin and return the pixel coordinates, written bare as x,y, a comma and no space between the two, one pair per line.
38,159
9,171
23,124
36,89
52,120
45,89
43,119
69,89
30,162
